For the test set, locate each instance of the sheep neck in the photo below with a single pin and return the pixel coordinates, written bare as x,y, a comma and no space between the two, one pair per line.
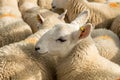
84,49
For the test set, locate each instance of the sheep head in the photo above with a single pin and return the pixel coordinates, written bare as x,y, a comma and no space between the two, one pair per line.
60,40
49,21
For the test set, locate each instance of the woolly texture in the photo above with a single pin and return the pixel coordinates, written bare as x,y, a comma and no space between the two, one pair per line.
101,18
85,63
115,27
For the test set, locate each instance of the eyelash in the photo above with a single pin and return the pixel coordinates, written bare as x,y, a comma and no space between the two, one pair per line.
61,40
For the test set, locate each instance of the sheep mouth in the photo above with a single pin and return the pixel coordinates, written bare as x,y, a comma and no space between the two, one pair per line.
43,53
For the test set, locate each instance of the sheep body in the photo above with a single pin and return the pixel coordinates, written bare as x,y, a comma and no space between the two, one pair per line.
85,63
107,43
79,56
45,4
12,27
115,27
98,16
81,60
19,61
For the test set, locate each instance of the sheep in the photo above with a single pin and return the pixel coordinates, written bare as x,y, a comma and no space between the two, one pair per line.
8,7
115,27
79,57
31,13
45,4
107,43
12,26
101,38
19,61
101,15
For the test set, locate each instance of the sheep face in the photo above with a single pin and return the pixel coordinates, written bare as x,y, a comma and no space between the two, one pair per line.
63,37
60,40
59,3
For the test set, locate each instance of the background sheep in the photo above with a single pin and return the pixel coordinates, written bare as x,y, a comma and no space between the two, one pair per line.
12,27
45,4
101,15
19,61
80,57
115,27
107,43
31,14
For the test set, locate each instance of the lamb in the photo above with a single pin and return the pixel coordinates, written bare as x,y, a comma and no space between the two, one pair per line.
79,57
45,4
12,26
115,27
19,61
101,38
101,15
31,13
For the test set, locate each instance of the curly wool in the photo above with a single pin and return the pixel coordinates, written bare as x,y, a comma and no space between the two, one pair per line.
19,61
108,50
31,16
115,27
101,18
14,32
85,63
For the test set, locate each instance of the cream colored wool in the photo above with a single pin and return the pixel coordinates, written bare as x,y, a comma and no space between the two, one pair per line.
108,44
80,58
31,13
12,27
20,61
85,63
47,4
101,15
115,27
31,17
27,4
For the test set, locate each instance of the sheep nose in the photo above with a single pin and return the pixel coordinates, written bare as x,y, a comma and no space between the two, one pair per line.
37,48
53,7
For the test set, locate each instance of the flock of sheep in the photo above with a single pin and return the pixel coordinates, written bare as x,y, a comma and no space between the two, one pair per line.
59,40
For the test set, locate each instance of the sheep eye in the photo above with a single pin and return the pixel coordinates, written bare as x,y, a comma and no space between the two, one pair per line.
61,40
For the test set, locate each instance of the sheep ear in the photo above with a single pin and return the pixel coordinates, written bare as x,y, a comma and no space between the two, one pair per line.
40,19
62,16
85,31
82,18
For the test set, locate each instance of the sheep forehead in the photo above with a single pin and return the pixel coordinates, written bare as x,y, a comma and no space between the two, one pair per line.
63,29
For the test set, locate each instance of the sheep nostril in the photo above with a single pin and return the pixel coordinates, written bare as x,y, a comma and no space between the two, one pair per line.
53,7
37,48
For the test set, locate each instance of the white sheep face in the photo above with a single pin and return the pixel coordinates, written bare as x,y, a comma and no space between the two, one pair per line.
59,3
63,37
58,40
